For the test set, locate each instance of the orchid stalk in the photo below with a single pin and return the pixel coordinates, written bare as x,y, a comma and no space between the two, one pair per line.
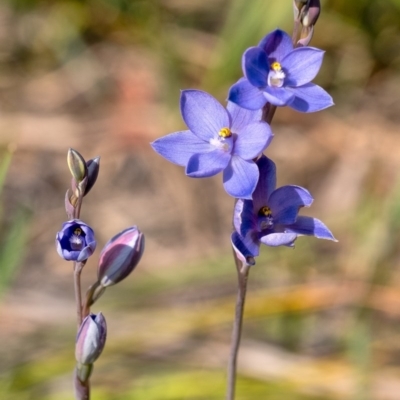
76,242
276,73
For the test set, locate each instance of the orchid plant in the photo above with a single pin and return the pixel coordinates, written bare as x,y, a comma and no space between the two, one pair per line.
277,73
232,141
76,242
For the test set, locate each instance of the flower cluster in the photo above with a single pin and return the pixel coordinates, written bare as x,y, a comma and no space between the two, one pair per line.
76,242
232,141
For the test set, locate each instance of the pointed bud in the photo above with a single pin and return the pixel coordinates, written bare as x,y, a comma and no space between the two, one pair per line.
120,256
93,166
310,15
90,341
77,165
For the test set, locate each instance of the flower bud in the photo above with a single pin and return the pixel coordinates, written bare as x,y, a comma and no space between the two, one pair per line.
93,166
75,241
310,15
120,256
77,165
90,340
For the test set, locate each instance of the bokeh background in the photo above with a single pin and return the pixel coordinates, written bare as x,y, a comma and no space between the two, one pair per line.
322,321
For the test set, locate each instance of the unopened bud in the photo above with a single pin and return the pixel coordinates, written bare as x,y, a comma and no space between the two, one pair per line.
93,167
311,13
75,241
120,256
77,165
90,341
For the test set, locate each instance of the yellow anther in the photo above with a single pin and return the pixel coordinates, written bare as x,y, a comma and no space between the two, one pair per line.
276,66
78,231
265,211
225,133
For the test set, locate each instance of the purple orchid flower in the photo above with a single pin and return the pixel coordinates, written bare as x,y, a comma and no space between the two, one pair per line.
75,241
218,140
278,74
272,217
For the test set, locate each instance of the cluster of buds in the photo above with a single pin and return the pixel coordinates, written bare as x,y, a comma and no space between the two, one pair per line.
306,13
76,242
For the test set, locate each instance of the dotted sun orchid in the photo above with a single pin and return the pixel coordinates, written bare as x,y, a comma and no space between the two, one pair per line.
272,217
218,140
278,74
75,241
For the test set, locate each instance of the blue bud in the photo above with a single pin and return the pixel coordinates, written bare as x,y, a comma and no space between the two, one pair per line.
75,241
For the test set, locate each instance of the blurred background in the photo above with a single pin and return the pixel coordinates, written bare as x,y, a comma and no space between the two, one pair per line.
322,321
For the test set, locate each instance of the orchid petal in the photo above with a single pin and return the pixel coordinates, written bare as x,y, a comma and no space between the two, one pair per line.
244,219
207,164
279,239
266,184
310,98
240,178
203,114
285,202
310,227
255,66
241,116
276,44
252,140
178,147
302,65
246,95
278,96
246,246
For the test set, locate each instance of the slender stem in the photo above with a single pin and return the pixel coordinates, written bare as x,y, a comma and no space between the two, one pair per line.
82,389
243,273
92,294
78,266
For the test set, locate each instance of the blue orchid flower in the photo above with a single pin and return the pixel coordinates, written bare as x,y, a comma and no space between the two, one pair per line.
277,73
271,217
218,140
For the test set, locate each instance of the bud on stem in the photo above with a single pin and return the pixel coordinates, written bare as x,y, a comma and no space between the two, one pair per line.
120,256
77,165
